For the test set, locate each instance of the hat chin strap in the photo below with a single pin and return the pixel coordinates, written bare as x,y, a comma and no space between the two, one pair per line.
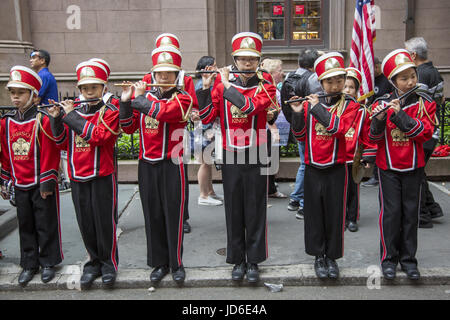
30,100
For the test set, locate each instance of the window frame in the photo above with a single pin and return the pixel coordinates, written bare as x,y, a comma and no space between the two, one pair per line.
289,42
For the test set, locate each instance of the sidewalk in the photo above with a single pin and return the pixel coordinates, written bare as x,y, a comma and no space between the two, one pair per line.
203,256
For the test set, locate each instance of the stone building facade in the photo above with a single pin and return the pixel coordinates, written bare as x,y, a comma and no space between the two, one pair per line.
123,32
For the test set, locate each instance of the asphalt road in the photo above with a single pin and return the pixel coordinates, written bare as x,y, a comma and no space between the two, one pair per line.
243,293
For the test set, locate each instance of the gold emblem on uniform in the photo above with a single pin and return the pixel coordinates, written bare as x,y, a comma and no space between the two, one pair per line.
87,72
398,136
401,59
166,41
236,113
320,130
16,76
151,123
248,43
81,143
332,63
350,133
165,57
21,147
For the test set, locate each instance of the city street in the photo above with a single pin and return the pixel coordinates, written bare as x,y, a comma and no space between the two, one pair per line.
208,274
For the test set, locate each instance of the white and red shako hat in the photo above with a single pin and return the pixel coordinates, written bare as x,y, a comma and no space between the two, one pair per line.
91,72
103,63
23,77
354,73
246,44
166,58
396,62
329,65
167,39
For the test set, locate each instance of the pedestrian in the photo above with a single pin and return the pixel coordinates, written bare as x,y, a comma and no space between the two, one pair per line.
203,136
432,84
382,87
184,83
322,123
161,115
400,133
88,133
40,61
301,83
275,68
241,102
30,159
355,137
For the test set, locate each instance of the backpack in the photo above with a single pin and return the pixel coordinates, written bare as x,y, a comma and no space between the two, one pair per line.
294,85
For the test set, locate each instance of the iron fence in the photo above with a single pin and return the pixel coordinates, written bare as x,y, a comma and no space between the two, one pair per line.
444,122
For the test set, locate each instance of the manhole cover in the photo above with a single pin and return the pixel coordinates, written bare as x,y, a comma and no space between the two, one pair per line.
221,251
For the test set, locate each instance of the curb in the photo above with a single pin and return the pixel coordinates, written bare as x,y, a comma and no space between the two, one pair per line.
67,278
8,222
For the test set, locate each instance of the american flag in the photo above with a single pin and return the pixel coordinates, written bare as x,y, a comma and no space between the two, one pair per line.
361,53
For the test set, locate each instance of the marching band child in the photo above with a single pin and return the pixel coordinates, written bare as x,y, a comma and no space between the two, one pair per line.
322,123
160,115
241,103
30,159
354,138
185,83
400,132
89,133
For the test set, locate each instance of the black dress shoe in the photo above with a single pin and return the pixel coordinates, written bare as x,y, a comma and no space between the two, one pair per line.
320,268
333,269
158,273
186,227
412,273
26,275
179,274
252,273
238,272
389,273
352,226
87,278
48,273
108,279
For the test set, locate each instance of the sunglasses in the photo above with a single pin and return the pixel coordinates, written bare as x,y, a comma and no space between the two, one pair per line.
35,55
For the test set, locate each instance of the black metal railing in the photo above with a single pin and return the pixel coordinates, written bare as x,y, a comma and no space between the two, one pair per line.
444,122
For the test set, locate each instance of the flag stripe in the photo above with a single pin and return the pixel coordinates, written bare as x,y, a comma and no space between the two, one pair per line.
363,34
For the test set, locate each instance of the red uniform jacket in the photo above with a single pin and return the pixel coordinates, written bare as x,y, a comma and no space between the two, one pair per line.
357,135
29,155
242,110
89,135
188,86
400,137
160,119
324,131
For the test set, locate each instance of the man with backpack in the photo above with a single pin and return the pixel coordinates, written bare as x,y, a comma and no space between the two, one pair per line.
301,83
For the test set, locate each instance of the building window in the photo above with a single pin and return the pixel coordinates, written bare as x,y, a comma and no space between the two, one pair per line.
289,23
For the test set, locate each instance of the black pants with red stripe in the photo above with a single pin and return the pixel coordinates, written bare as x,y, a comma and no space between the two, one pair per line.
95,204
245,200
324,208
399,198
163,190
39,228
352,214
428,206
